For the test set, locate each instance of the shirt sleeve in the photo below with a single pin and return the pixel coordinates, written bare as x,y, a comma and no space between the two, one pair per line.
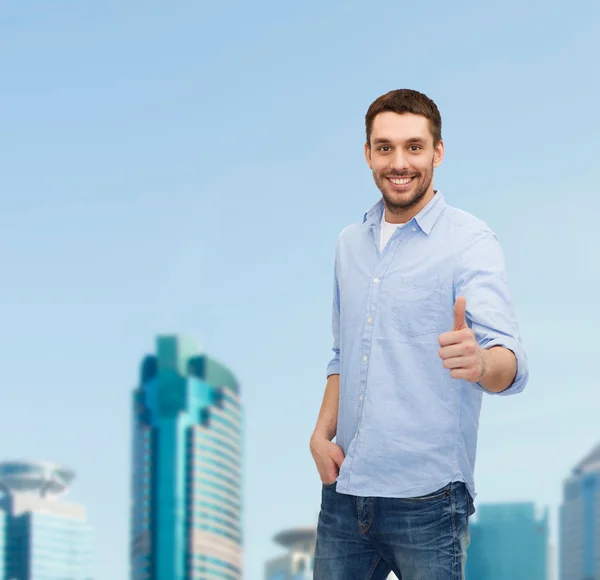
480,276
333,368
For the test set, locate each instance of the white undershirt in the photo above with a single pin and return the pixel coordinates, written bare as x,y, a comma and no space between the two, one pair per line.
387,231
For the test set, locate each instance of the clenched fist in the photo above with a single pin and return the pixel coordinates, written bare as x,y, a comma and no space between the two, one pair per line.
459,350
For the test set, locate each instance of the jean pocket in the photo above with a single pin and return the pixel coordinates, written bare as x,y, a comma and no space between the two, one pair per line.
328,485
415,309
470,506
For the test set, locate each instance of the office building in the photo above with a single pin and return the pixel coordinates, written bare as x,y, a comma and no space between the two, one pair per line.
297,562
508,542
42,537
3,519
187,467
552,569
580,521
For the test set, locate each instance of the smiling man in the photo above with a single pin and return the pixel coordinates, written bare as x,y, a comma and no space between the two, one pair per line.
423,326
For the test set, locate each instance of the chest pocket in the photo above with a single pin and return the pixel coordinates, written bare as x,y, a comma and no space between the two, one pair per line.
415,309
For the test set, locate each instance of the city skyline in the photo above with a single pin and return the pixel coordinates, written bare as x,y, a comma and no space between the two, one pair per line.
181,354
187,168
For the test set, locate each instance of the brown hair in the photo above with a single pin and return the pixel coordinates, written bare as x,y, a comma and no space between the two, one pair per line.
406,101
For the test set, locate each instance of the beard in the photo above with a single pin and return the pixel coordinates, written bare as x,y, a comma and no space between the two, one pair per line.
400,201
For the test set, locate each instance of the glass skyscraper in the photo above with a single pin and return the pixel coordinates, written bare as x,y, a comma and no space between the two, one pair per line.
297,562
580,521
187,467
508,542
41,537
2,545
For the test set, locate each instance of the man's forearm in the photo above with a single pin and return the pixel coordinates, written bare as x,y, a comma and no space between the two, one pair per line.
327,422
500,369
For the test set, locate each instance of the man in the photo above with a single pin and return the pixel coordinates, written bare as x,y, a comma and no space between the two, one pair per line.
423,325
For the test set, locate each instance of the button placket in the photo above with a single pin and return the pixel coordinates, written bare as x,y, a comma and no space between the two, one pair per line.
384,262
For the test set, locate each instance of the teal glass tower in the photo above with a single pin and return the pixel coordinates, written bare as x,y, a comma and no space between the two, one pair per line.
187,467
42,537
580,521
508,542
2,545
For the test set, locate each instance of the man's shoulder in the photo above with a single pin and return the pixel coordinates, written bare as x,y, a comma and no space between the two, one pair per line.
351,232
465,224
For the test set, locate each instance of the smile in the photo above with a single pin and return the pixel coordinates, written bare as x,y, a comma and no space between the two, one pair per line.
400,180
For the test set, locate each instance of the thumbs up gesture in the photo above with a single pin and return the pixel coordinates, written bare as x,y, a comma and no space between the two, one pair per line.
459,350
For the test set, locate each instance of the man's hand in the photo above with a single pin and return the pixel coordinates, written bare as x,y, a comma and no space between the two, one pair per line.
328,457
459,350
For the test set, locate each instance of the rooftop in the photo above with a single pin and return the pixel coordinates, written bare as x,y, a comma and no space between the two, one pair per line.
590,462
296,537
43,479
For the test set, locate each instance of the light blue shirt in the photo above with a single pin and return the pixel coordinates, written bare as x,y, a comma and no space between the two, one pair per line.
407,428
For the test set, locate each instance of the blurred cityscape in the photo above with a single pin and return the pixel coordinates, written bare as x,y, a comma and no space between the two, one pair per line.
187,505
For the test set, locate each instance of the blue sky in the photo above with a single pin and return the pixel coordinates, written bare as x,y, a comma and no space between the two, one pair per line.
188,167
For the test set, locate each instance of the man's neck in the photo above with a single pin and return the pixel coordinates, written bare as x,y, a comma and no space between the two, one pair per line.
401,216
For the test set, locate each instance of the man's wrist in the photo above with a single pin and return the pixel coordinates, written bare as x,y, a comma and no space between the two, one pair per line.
485,365
321,433
500,368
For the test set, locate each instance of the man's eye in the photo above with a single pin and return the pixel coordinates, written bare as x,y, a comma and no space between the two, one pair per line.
385,148
415,147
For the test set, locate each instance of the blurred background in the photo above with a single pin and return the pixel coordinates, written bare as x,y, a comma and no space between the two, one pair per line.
173,178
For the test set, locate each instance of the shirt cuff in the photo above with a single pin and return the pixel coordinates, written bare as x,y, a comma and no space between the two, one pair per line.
522,376
333,368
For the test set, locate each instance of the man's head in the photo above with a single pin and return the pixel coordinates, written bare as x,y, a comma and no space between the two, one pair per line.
404,145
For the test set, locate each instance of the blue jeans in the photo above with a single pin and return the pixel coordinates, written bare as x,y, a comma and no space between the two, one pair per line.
366,538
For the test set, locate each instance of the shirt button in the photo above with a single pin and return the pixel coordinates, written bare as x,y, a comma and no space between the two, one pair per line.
365,358
369,320
361,397
376,281
414,229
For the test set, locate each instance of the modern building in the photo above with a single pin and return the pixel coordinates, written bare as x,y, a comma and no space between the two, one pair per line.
508,542
187,467
297,562
42,537
3,520
580,521
552,568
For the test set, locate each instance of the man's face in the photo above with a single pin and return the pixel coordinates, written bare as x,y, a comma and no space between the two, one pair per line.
402,158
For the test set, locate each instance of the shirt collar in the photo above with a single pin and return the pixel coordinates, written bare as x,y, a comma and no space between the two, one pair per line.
425,219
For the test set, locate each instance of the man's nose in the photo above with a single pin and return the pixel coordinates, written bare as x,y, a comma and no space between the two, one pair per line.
400,160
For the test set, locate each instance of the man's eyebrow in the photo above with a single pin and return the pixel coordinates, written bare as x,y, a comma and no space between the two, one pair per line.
384,141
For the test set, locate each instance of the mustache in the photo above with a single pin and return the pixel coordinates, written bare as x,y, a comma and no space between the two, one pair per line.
401,174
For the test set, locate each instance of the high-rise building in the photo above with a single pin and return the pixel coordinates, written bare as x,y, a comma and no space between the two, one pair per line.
580,521
187,467
2,545
41,536
508,542
552,561
297,562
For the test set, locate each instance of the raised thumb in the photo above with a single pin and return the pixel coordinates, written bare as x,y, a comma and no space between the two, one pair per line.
460,313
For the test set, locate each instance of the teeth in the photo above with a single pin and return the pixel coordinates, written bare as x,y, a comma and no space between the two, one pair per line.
402,181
